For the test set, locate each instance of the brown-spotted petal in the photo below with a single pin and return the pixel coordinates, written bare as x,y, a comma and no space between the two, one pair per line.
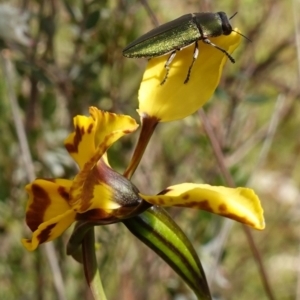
239,204
49,230
48,212
94,135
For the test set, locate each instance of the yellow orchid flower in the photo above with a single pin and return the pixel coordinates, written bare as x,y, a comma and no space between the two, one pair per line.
174,99
98,193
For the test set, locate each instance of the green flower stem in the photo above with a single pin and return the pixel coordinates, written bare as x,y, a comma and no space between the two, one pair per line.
91,270
148,126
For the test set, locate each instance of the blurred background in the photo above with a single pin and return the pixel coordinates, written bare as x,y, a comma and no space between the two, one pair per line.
60,57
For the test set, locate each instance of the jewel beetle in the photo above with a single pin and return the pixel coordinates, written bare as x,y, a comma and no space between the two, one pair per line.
175,35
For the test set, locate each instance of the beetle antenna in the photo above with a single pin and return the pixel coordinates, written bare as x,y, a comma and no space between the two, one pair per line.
242,35
233,15
237,31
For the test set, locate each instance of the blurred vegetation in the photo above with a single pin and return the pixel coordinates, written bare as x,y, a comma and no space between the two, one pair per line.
72,60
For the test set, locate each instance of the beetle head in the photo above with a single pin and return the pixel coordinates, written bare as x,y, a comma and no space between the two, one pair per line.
226,27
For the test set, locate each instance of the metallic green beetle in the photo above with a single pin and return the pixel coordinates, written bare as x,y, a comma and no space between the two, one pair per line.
178,34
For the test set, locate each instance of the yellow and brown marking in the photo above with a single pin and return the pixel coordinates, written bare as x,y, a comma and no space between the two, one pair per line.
45,233
222,208
63,193
36,211
82,183
85,185
160,201
186,196
204,205
88,177
90,128
165,191
73,147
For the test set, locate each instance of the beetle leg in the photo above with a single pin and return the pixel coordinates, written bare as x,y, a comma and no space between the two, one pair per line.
195,55
207,41
167,65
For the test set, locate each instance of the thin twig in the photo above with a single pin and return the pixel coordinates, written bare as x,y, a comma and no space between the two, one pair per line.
272,128
28,163
150,12
229,180
239,154
295,7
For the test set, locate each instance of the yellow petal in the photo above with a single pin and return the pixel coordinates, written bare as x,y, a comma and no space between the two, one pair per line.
48,198
94,135
49,230
240,204
48,212
175,100
80,144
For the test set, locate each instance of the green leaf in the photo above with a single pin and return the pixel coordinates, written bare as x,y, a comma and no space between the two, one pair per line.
158,231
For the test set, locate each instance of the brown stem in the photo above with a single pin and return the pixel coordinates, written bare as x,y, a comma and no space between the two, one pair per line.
229,180
150,12
148,126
